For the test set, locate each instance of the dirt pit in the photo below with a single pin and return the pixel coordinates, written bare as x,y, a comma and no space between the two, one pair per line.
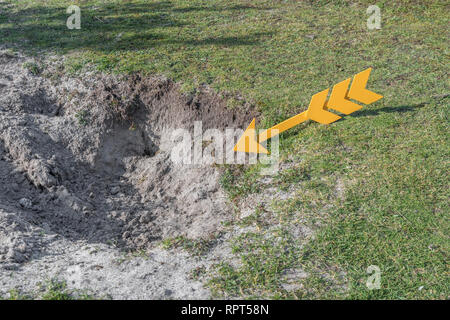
87,159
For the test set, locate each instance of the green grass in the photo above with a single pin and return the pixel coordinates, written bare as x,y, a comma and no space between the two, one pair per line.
373,185
32,67
239,180
52,289
82,117
196,247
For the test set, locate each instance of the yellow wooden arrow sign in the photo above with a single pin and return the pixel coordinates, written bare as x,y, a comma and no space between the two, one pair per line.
317,111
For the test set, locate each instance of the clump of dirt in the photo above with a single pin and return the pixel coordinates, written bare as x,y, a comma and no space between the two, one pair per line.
83,158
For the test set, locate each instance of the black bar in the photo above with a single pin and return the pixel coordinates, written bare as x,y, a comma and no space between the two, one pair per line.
216,309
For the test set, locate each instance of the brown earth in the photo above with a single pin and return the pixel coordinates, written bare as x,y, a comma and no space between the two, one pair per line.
84,158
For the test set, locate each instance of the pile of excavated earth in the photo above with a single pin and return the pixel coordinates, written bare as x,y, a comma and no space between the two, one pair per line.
86,175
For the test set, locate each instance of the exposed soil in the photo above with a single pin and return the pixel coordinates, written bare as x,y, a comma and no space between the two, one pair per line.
85,159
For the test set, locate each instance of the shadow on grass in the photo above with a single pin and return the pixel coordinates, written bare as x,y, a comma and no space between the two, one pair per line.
108,27
399,109
362,113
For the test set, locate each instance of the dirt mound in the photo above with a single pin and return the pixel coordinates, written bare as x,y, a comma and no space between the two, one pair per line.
84,159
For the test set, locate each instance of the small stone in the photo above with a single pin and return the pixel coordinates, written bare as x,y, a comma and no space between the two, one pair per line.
26,203
146,217
126,235
115,190
168,292
85,210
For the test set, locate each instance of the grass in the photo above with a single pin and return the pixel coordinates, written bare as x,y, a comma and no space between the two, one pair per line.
53,289
196,247
82,117
373,185
32,68
239,181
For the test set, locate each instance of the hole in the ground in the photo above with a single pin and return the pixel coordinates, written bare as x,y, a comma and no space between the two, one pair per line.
109,178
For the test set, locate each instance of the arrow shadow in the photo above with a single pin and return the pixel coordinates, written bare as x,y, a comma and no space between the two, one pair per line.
399,109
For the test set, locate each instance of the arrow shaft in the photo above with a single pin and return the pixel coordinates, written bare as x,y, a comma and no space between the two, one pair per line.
282,126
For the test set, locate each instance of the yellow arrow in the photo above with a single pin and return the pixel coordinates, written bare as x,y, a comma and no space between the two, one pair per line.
338,99
248,143
358,89
317,111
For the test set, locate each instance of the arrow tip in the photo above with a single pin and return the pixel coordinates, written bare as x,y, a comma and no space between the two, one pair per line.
248,143
358,89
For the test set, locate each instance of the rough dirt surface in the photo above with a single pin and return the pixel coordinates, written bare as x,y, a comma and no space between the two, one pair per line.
85,162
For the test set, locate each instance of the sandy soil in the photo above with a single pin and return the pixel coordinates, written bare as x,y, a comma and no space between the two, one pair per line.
86,178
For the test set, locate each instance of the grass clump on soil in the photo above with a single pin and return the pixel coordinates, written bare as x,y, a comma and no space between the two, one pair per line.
374,184
239,181
32,67
264,257
196,247
51,290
